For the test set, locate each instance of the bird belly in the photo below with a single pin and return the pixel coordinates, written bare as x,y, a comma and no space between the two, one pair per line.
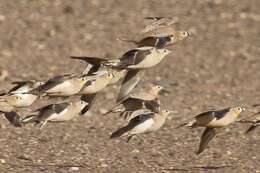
62,116
65,89
27,100
148,62
143,127
22,89
223,121
95,87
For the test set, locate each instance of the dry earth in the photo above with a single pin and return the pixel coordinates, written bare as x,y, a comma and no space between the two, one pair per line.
217,67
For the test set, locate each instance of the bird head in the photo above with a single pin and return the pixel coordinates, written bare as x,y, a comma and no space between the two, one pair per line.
238,109
110,76
37,84
83,79
181,35
13,99
80,104
163,52
166,112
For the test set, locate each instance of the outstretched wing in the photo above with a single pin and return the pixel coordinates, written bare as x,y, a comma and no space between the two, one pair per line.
207,117
207,135
54,82
133,57
131,79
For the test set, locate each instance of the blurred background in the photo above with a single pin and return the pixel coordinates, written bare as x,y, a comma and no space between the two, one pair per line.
218,66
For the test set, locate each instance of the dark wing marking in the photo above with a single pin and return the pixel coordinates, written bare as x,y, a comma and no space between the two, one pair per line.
133,57
140,118
154,18
221,113
91,60
253,126
207,135
154,41
14,118
153,105
19,84
51,109
53,82
59,107
131,79
210,115
89,98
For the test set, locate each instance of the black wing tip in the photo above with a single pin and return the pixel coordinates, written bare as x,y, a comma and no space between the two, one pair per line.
250,129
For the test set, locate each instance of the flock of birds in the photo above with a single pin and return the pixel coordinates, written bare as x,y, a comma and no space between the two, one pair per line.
141,109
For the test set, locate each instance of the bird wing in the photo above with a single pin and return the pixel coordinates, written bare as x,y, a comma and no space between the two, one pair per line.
133,57
89,98
142,95
54,82
140,117
154,41
14,118
153,105
131,79
95,61
48,110
19,84
207,117
207,135
59,107
253,126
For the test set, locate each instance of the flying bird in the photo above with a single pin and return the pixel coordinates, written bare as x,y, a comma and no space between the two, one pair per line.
213,121
135,61
58,112
146,98
144,122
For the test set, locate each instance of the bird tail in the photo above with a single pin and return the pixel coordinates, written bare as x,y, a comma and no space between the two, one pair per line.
252,127
120,132
127,40
115,109
2,98
30,119
190,124
111,63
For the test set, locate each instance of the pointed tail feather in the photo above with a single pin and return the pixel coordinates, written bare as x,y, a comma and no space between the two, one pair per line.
114,110
110,63
190,124
120,132
250,129
30,119
127,40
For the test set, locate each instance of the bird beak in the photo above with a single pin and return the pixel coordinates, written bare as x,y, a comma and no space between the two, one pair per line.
189,34
164,92
243,109
172,112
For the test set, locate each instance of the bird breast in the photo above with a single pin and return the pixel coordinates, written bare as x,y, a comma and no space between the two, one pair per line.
150,61
27,100
96,86
143,127
67,88
65,115
226,120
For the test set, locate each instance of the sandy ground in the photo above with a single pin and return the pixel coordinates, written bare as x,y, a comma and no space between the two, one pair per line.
215,68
